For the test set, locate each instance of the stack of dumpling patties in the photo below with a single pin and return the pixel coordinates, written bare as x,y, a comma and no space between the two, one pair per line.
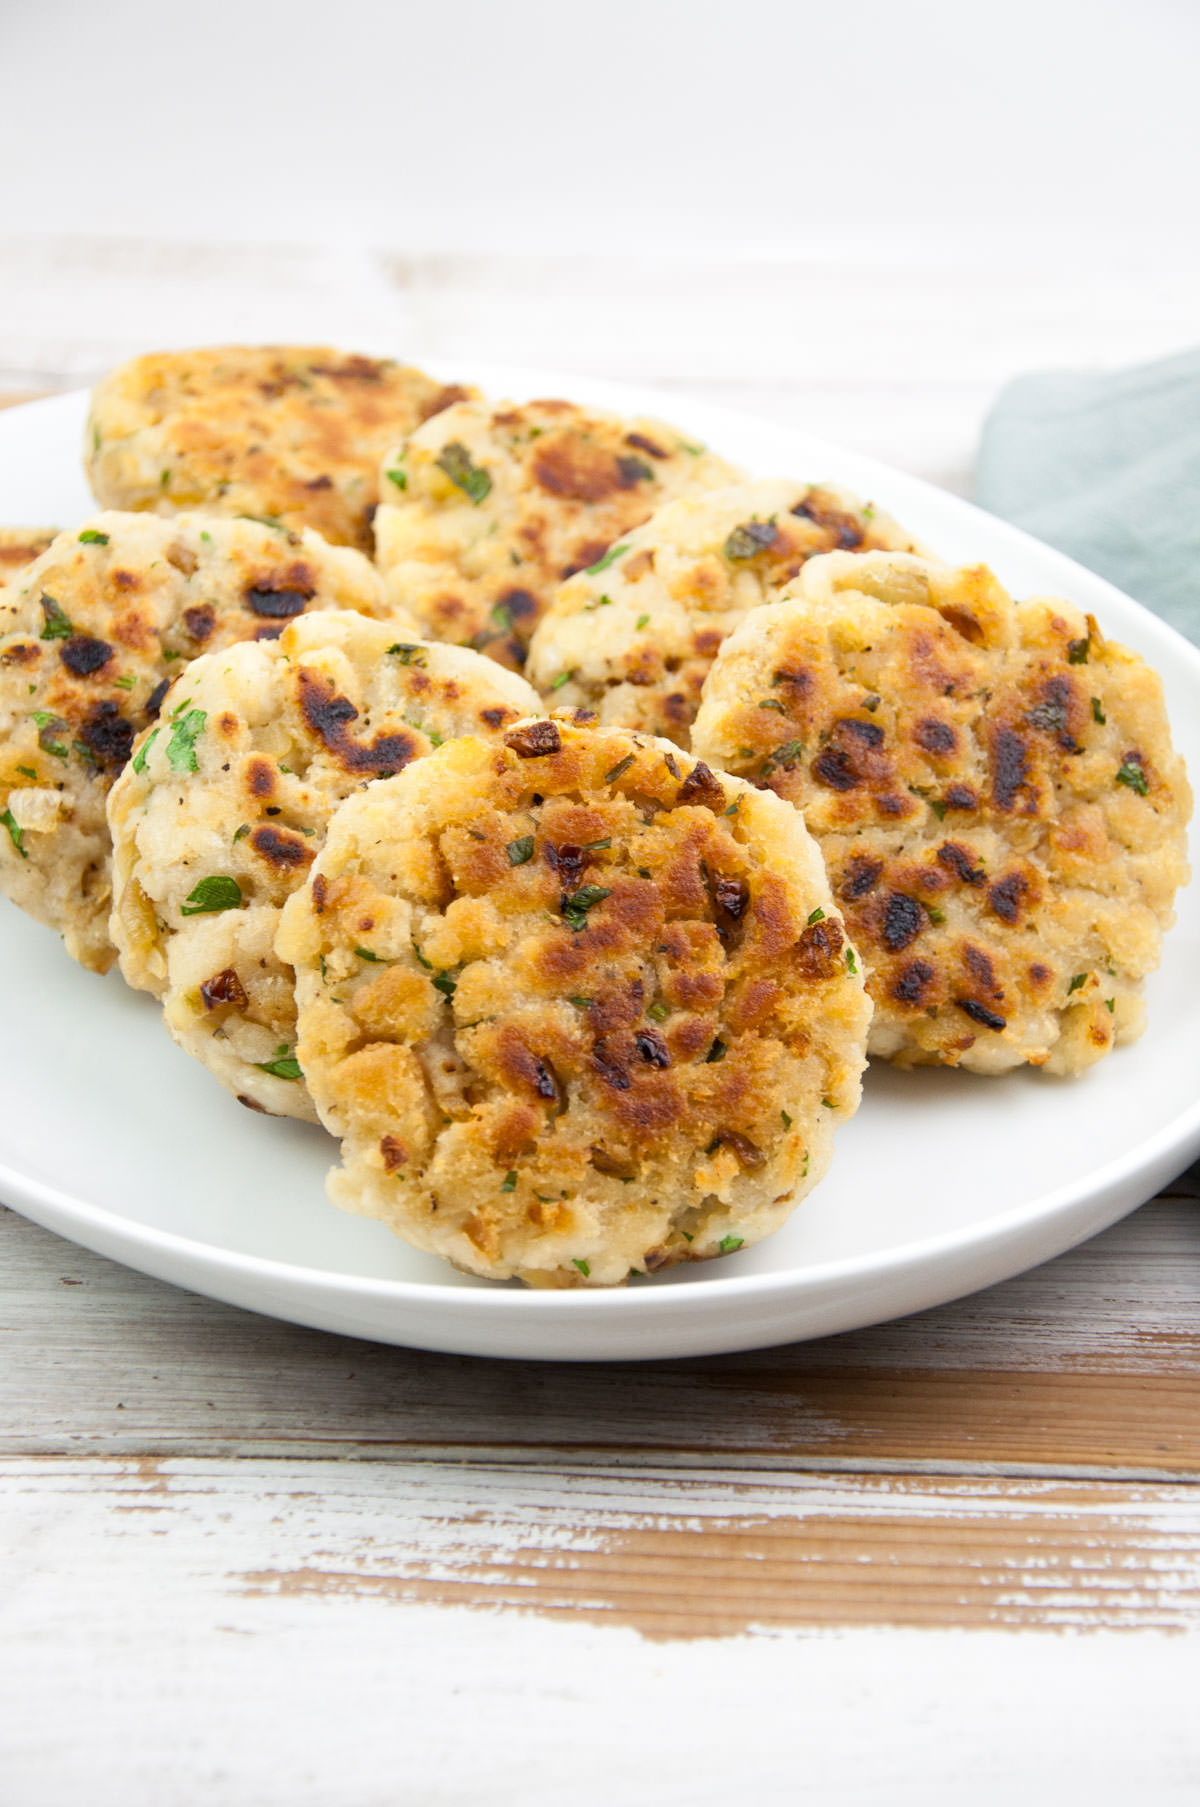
579,965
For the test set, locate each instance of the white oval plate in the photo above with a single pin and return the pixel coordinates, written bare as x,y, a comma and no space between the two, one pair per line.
943,1183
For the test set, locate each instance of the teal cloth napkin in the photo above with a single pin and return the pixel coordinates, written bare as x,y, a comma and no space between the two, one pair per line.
1107,468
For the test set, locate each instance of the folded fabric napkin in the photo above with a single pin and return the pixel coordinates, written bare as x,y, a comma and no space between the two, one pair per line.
1107,468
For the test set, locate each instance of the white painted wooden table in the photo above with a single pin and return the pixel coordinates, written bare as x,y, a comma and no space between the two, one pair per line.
951,1559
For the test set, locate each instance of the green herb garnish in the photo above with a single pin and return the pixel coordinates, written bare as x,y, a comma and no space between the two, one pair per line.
139,758
181,748
408,655
91,537
716,1052
622,765
520,850
583,1267
751,538
471,478
27,771
818,915
399,478
787,1121
728,1244
659,1012
212,894
125,683
642,621
57,624
509,1182
1077,650
364,953
16,834
1076,982
564,677
1132,775
48,723
575,909
445,984
610,558
1098,714
282,1064
851,962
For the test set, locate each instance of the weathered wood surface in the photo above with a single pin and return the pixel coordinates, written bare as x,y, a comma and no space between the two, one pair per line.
1089,1365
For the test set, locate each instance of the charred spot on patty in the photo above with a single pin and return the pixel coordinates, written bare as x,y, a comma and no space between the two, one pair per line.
535,740
960,796
912,982
903,920
610,1070
960,860
979,1013
329,715
107,735
731,895
394,1153
283,851
835,768
846,532
200,621
935,736
701,786
819,949
861,875
83,655
1007,895
979,965
260,775
1010,768
645,445
223,989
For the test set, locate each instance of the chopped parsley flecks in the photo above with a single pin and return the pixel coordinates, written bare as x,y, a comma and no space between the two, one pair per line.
1077,650
1079,980
564,677
444,983
139,758
787,1121
583,1267
125,683
829,1104
734,807
181,748
751,538
364,953
57,623
16,834
241,832
1133,777
408,655
659,1012
642,621
728,1244
509,1182
575,909
282,1064
598,846
92,537
609,558
787,754
818,915
1098,714
520,850
772,702
1110,1004
27,771
851,962
938,808
466,475
716,1052
936,916
212,894
621,766
399,478
48,725
581,1003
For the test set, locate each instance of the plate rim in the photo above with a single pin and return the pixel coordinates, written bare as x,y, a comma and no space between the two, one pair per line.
1064,1213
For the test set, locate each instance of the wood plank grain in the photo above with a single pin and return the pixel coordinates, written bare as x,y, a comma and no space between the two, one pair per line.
1089,1364
333,1632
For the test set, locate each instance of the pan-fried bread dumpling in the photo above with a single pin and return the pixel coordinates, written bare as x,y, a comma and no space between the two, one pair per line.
635,642
994,790
207,851
19,546
293,433
576,1006
90,637
485,509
